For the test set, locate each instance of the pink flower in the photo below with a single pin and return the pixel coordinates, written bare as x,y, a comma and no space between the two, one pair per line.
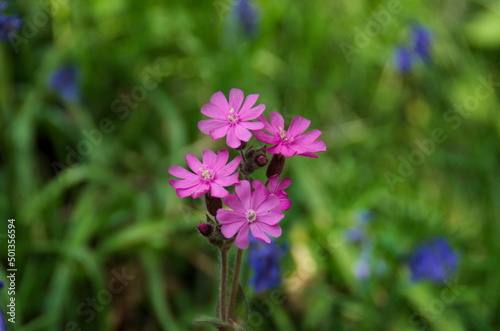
231,118
211,175
251,211
292,141
277,188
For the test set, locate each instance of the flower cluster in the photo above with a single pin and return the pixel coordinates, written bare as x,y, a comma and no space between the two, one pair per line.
256,208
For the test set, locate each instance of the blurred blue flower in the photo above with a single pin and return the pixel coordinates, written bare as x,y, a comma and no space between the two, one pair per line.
434,260
264,259
355,234
3,326
247,16
421,42
64,82
361,269
9,24
404,59
364,216
420,49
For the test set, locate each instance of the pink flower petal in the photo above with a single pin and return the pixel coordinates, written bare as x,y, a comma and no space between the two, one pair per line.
193,163
298,149
184,183
244,193
230,229
208,158
284,184
308,154
275,149
231,139
236,97
287,150
298,126
229,168
268,204
265,138
195,191
277,120
272,183
219,100
252,125
285,204
308,137
228,181
250,100
271,218
222,157
216,190
213,111
317,146
200,190
207,126
259,196
242,238
220,132
180,172
242,133
252,113
262,119
272,230
258,233
235,204
184,193
257,183
225,216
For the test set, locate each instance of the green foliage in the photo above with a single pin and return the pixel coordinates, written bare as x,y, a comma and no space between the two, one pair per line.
87,181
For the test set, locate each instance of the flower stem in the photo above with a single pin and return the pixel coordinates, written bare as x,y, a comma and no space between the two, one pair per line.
223,284
234,287
243,156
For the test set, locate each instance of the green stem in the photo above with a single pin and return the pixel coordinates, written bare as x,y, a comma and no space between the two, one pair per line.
223,285
234,288
243,156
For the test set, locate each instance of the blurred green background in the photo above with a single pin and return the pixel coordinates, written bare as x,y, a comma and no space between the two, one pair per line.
86,181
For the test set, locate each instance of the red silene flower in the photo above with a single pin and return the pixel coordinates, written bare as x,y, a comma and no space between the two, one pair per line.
292,141
211,175
231,119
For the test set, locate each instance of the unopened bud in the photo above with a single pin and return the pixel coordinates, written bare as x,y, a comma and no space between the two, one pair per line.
242,146
261,160
205,229
213,204
276,165
254,159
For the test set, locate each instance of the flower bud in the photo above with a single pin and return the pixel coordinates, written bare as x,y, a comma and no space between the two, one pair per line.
205,229
276,165
213,204
254,159
261,160
217,239
242,146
